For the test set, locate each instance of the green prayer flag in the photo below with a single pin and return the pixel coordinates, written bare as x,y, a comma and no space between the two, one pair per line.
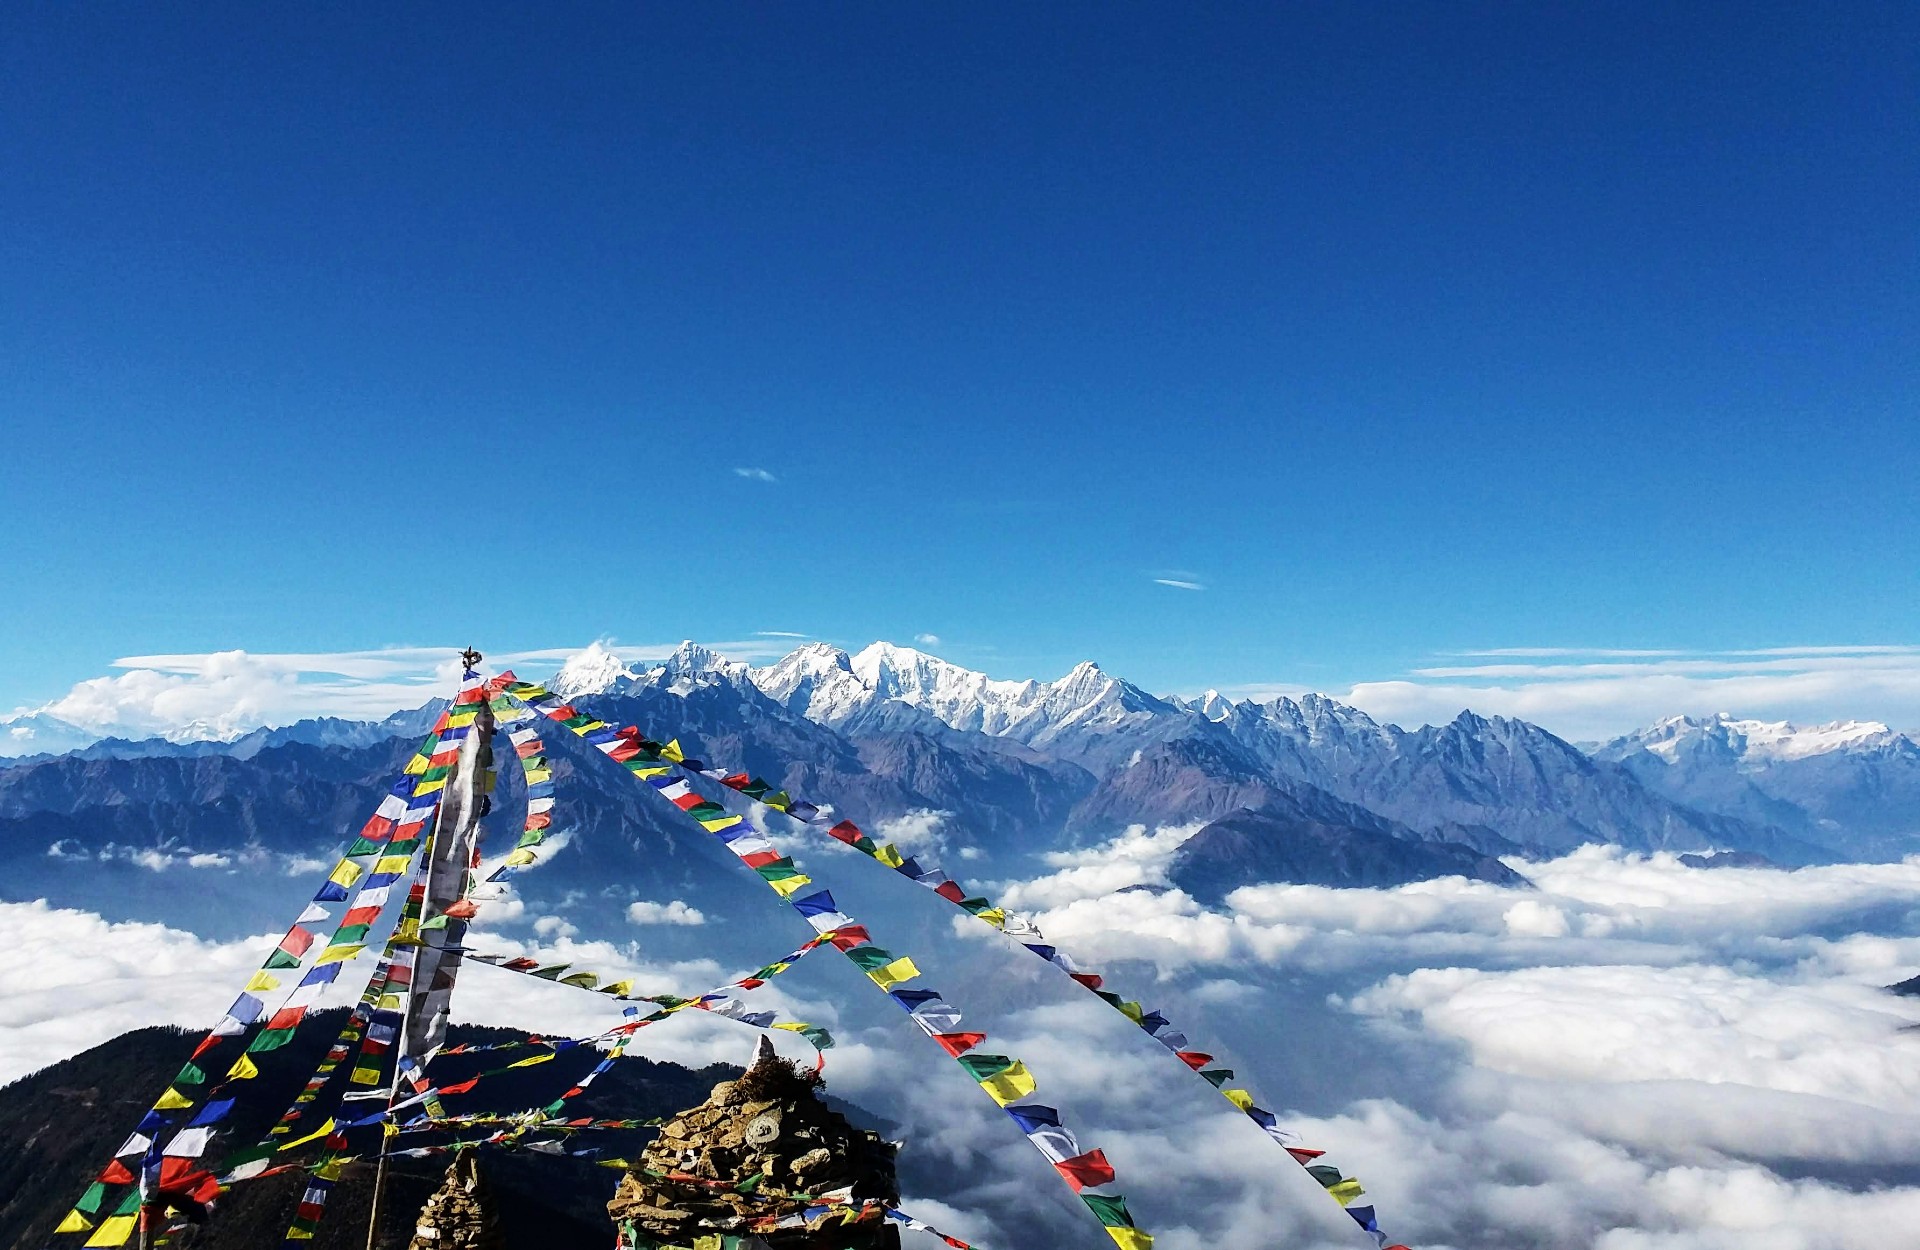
270,1039
983,1067
1111,1210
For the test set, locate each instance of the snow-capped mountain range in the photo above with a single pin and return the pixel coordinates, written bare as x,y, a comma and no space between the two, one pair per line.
1491,779
1001,772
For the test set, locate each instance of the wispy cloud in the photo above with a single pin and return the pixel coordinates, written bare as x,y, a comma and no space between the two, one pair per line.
1178,583
755,474
1599,694
927,640
778,633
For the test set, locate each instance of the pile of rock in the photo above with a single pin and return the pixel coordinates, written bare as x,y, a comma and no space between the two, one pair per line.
768,1131
459,1215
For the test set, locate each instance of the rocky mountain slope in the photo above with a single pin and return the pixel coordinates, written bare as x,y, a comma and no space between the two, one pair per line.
59,1126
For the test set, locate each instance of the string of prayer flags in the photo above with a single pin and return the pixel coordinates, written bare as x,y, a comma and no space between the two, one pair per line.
166,1172
819,912
650,760
716,1001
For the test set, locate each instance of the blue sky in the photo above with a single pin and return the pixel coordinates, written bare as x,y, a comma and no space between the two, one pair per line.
1402,330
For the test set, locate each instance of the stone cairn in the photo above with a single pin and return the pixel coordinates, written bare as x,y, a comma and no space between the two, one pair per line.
769,1124
459,1215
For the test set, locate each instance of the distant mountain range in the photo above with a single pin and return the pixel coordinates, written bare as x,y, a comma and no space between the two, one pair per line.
1005,771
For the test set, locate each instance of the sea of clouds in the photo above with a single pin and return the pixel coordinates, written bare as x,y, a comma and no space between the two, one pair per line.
1634,1055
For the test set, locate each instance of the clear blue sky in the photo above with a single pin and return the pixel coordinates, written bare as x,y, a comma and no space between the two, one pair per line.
1401,329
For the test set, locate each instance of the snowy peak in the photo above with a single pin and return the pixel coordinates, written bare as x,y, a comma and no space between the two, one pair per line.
593,671
597,670
1729,738
958,696
816,680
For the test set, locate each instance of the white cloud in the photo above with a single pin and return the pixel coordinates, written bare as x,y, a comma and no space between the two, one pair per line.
927,640
1635,1056
778,633
675,912
72,980
756,475
1825,1038
1178,583
917,832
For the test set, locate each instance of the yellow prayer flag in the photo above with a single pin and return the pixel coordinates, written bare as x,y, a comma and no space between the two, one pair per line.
520,858
243,1069
619,989
388,1002
416,765
428,787
537,775
298,1234
1131,1238
788,885
460,720
1009,1086
901,970
673,752
113,1231
720,822
74,1223
995,916
528,1063
338,954
316,1135
262,982
1238,1097
388,864
345,873
172,1100
889,854
1346,1191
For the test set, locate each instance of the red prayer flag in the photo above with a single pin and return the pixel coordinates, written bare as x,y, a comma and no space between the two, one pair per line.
958,1044
1194,1059
1089,1169
849,936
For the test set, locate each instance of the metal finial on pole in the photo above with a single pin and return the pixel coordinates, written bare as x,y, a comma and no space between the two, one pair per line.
471,658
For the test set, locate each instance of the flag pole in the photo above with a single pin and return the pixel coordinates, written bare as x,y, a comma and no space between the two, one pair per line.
470,662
